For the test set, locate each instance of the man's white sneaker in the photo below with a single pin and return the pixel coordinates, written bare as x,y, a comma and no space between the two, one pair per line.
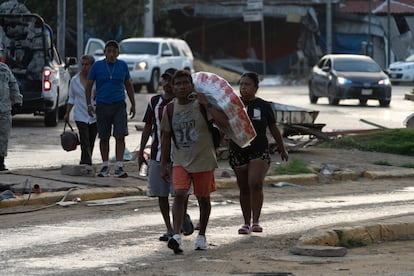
200,243
174,243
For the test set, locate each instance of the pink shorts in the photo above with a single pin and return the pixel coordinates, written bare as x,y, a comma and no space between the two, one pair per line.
203,182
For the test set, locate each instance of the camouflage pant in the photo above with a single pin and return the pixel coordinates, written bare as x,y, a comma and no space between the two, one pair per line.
5,126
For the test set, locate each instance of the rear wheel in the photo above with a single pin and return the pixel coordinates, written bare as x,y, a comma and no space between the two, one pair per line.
52,117
331,96
312,98
384,103
137,88
363,102
152,86
62,111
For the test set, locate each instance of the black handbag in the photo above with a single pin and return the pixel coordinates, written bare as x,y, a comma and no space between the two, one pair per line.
69,138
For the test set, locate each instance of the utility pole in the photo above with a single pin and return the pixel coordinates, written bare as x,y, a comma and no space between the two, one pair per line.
388,33
253,13
61,27
370,46
148,18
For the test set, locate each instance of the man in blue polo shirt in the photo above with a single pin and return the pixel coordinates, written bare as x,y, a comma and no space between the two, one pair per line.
112,78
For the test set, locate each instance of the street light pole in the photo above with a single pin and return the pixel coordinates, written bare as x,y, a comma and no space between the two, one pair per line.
80,28
263,46
388,33
61,27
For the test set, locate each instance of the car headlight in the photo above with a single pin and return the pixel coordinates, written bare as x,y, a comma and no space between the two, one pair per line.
342,81
384,82
141,66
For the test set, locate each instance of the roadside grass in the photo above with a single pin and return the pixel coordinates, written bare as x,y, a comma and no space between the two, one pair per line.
407,165
395,141
350,243
382,163
293,166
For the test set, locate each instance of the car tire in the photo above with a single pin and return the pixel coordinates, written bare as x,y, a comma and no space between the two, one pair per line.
137,88
363,102
62,109
52,118
312,98
384,103
152,86
331,96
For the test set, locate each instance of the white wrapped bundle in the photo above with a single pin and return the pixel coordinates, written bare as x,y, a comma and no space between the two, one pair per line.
221,95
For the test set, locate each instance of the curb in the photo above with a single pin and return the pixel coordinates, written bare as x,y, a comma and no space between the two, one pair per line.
409,96
389,174
354,236
71,195
221,183
231,182
313,178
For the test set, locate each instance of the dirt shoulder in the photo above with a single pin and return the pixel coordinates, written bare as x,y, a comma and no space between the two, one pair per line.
356,160
351,161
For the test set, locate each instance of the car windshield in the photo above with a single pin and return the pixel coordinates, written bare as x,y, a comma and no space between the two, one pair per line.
137,48
356,65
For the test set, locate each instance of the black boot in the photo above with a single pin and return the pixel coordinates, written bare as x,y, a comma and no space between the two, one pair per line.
2,166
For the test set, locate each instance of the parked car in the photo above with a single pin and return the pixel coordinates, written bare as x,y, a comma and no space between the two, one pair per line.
148,58
402,71
347,76
41,74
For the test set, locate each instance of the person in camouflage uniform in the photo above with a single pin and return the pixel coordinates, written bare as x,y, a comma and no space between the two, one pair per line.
10,98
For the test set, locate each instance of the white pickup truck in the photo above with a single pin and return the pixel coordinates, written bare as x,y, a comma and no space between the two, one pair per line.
42,75
147,58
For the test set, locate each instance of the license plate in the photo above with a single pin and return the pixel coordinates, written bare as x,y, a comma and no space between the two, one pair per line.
393,75
366,91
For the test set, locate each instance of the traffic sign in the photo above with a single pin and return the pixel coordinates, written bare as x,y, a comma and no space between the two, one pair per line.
254,5
252,16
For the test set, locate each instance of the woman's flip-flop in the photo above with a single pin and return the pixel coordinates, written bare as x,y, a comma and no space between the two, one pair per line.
244,230
256,228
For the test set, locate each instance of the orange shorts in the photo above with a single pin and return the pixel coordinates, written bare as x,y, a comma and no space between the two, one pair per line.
203,182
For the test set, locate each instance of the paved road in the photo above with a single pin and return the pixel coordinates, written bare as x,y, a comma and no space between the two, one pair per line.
33,145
